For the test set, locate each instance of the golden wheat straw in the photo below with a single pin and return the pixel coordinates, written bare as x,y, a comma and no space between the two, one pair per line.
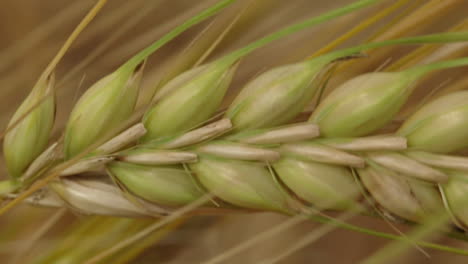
103,46
39,34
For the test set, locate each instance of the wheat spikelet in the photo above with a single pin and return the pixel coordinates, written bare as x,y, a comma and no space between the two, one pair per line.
259,155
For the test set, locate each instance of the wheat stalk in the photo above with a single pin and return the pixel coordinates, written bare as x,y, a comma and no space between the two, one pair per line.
256,157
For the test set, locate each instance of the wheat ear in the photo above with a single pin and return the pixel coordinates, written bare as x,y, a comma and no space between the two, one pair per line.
256,157
286,167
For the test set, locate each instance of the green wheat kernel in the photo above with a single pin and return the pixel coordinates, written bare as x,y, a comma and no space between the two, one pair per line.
31,134
439,126
102,109
190,99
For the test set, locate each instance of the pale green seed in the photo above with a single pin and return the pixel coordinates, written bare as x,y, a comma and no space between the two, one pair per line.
363,104
455,194
242,183
276,96
102,109
439,126
190,99
29,138
165,185
323,185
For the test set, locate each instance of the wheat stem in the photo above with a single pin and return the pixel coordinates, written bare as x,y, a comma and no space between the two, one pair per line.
86,20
